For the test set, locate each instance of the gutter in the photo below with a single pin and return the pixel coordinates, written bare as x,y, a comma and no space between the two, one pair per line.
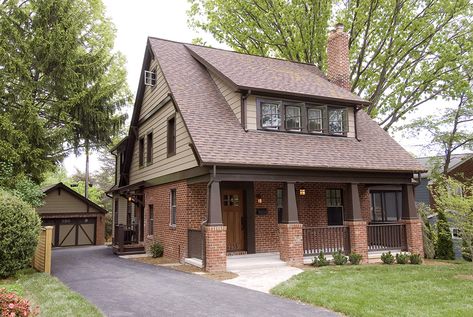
356,126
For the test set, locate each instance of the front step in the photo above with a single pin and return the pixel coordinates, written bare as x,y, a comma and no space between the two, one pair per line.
129,249
254,261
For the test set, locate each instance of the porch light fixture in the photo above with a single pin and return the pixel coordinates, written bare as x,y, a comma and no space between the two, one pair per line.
259,199
129,198
302,192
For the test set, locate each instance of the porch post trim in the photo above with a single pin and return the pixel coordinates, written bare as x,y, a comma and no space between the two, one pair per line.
289,214
214,207
353,206
409,210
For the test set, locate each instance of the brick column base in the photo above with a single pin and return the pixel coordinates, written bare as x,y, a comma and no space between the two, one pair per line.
215,248
291,249
358,232
415,241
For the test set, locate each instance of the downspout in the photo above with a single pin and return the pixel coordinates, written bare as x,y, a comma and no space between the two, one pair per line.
244,109
356,126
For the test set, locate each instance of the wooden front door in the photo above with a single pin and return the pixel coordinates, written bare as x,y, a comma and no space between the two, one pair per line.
233,218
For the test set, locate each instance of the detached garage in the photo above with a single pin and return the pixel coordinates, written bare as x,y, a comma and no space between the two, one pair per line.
76,220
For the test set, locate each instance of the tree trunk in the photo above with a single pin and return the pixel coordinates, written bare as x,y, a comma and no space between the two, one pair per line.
86,189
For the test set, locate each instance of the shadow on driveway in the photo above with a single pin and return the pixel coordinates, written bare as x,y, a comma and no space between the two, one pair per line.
121,287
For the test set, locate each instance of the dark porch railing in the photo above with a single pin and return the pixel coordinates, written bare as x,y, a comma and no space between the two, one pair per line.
195,243
326,239
386,236
125,235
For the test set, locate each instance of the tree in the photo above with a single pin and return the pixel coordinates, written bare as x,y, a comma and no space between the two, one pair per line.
444,246
404,53
456,198
60,81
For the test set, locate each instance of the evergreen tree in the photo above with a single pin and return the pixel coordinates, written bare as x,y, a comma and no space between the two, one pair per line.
444,247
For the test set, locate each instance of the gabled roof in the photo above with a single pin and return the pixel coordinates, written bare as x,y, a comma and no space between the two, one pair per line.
456,160
90,203
250,72
219,138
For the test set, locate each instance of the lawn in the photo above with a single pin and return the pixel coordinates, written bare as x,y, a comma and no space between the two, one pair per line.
438,289
52,296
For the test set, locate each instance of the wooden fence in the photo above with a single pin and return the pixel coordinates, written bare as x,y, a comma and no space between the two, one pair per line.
42,256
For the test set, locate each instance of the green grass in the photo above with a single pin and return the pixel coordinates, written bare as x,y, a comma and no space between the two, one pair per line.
386,290
52,296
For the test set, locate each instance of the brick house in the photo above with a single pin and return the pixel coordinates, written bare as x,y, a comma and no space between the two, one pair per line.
229,153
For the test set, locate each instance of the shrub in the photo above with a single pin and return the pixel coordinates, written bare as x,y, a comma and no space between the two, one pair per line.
415,259
428,234
156,250
387,258
466,252
444,247
320,260
355,258
14,305
339,258
19,232
402,258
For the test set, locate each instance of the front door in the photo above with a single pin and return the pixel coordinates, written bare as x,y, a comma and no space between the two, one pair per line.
233,218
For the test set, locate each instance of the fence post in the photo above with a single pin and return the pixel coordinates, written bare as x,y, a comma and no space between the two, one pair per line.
47,249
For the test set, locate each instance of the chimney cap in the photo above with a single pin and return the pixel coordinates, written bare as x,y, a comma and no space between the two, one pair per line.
339,27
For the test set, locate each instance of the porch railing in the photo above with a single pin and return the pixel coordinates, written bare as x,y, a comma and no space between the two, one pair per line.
387,236
326,239
195,243
125,235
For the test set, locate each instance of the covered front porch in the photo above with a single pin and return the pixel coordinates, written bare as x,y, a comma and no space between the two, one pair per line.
300,216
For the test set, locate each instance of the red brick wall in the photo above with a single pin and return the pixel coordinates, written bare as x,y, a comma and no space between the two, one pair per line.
215,248
414,236
291,244
338,62
266,226
197,204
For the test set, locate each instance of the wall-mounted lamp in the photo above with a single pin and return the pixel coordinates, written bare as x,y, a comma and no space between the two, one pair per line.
302,192
259,199
129,198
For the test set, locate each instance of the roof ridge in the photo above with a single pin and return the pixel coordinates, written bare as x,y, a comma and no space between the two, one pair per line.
235,52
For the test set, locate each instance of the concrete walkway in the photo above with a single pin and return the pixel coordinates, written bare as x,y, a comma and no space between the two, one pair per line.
260,272
122,287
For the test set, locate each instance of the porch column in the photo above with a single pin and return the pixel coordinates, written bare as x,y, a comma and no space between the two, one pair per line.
215,233
291,248
354,221
411,220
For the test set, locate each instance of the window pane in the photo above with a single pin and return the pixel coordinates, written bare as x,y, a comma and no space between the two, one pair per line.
315,120
391,212
149,148
270,116
377,205
336,120
293,118
334,198
141,150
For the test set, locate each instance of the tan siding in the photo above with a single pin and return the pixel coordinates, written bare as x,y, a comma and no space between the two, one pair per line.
63,203
251,116
161,164
154,94
232,97
122,202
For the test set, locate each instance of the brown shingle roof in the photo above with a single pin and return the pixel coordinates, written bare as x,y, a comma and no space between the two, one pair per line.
220,139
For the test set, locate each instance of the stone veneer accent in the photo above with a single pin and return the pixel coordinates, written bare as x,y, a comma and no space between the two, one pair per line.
215,248
414,236
291,245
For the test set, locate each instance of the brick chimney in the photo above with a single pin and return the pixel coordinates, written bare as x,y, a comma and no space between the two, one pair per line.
338,60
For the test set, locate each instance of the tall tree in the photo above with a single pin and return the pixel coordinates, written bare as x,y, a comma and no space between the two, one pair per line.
60,81
404,53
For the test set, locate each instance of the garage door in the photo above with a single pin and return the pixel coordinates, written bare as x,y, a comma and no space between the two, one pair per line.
72,231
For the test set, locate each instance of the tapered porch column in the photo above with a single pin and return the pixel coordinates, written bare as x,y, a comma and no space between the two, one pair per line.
414,238
215,233
356,224
291,247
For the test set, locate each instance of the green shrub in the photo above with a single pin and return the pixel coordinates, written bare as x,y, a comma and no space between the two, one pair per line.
402,258
415,259
19,232
339,258
466,252
355,258
320,260
444,247
156,250
387,258
428,234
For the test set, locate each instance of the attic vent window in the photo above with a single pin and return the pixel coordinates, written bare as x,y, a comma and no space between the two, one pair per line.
150,77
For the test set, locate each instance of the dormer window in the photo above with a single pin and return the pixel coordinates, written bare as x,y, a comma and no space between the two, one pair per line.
302,117
150,77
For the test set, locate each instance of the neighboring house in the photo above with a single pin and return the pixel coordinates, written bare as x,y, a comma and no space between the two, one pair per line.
461,168
75,219
456,238
229,153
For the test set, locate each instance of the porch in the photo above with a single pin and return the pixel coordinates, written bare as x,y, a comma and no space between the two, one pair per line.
126,240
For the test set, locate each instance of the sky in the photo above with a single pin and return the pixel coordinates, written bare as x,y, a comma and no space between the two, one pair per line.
136,20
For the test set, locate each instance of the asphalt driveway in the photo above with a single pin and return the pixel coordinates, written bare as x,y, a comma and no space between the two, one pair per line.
121,287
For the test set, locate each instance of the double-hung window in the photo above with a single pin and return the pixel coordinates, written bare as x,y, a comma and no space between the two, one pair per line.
315,120
293,118
151,220
334,207
172,207
270,115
